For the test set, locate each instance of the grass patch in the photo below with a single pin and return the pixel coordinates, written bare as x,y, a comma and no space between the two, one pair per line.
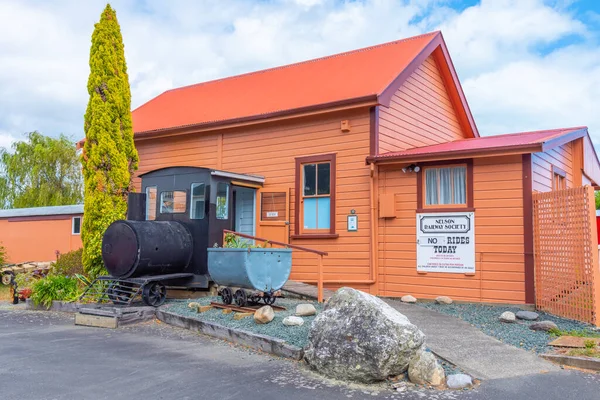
587,352
574,332
5,293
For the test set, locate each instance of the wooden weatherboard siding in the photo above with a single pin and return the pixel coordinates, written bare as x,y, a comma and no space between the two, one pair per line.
37,238
270,150
499,250
420,113
561,157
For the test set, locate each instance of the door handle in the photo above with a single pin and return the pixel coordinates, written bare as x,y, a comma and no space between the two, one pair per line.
287,222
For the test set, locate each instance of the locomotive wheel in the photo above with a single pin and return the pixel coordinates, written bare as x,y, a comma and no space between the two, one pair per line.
241,299
226,295
154,294
116,295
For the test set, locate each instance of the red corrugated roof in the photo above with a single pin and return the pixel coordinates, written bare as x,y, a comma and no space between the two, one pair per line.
343,77
522,140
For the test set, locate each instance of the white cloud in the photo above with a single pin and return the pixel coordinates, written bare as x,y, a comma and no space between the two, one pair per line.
502,50
6,140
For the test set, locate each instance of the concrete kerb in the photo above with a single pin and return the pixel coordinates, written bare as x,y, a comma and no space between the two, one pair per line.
62,306
573,361
264,343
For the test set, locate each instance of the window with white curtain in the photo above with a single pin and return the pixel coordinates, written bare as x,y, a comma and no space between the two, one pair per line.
446,185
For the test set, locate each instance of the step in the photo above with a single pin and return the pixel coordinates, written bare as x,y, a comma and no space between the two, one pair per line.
122,315
96,321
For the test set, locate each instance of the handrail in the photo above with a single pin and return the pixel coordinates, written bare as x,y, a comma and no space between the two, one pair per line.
291,246
320,281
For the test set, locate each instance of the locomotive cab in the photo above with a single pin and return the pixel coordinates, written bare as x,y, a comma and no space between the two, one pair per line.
180,212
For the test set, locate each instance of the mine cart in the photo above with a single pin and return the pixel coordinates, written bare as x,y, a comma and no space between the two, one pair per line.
257,273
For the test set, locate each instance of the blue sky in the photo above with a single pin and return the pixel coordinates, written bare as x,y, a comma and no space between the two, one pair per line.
524,64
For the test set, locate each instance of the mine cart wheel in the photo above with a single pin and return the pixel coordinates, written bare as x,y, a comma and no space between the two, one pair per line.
241,299
226,295
269,300
116,295
255,299
154,294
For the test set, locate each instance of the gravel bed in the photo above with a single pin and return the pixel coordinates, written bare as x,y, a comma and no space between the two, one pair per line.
516,334
294,335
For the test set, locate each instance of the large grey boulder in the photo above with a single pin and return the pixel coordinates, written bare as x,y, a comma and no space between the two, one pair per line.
358,337
424,369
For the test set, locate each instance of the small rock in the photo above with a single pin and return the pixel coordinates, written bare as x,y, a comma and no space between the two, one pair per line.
424,369
443,300
508,317
305,310
528,315
264,315
193,305
459,381
293,321
543,326
398,385
408,299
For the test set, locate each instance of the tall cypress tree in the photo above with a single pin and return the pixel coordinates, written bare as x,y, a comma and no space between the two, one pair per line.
109,155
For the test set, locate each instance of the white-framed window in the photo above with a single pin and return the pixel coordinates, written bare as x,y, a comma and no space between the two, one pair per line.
197,204
76,226
316,196
445,186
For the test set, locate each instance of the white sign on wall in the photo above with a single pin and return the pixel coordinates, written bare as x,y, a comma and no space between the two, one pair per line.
446,242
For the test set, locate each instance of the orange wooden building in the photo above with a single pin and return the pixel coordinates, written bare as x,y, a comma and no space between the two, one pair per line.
364,151
37,234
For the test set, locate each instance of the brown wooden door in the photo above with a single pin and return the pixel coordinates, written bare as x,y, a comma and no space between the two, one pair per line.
273,214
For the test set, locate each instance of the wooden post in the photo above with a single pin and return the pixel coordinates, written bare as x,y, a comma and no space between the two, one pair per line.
320,282
593,243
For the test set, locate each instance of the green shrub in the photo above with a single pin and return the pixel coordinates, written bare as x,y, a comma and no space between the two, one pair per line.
26,279
69,264
590,344
235,242
54,287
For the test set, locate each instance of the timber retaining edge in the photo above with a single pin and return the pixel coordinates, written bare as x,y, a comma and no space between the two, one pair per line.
573,361
255,341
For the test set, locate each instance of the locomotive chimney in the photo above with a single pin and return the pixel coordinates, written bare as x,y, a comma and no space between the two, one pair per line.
136,207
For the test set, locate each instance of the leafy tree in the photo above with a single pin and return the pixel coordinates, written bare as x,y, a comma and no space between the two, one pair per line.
41,171
597,195
109,155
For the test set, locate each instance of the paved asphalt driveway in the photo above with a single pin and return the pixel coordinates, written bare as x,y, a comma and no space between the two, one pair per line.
44,356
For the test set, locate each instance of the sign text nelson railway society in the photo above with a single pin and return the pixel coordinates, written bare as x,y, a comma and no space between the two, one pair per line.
446,242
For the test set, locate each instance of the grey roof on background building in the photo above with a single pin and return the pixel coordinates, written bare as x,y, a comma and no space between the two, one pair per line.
42,211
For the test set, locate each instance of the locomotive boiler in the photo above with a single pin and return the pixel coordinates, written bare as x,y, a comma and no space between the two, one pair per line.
179,214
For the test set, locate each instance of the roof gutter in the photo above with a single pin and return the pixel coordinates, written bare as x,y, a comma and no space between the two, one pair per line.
453,154
365,101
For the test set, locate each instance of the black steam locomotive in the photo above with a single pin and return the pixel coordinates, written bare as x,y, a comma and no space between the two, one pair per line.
180,212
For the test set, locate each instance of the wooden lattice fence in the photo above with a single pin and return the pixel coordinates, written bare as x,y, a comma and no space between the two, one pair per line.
567,275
